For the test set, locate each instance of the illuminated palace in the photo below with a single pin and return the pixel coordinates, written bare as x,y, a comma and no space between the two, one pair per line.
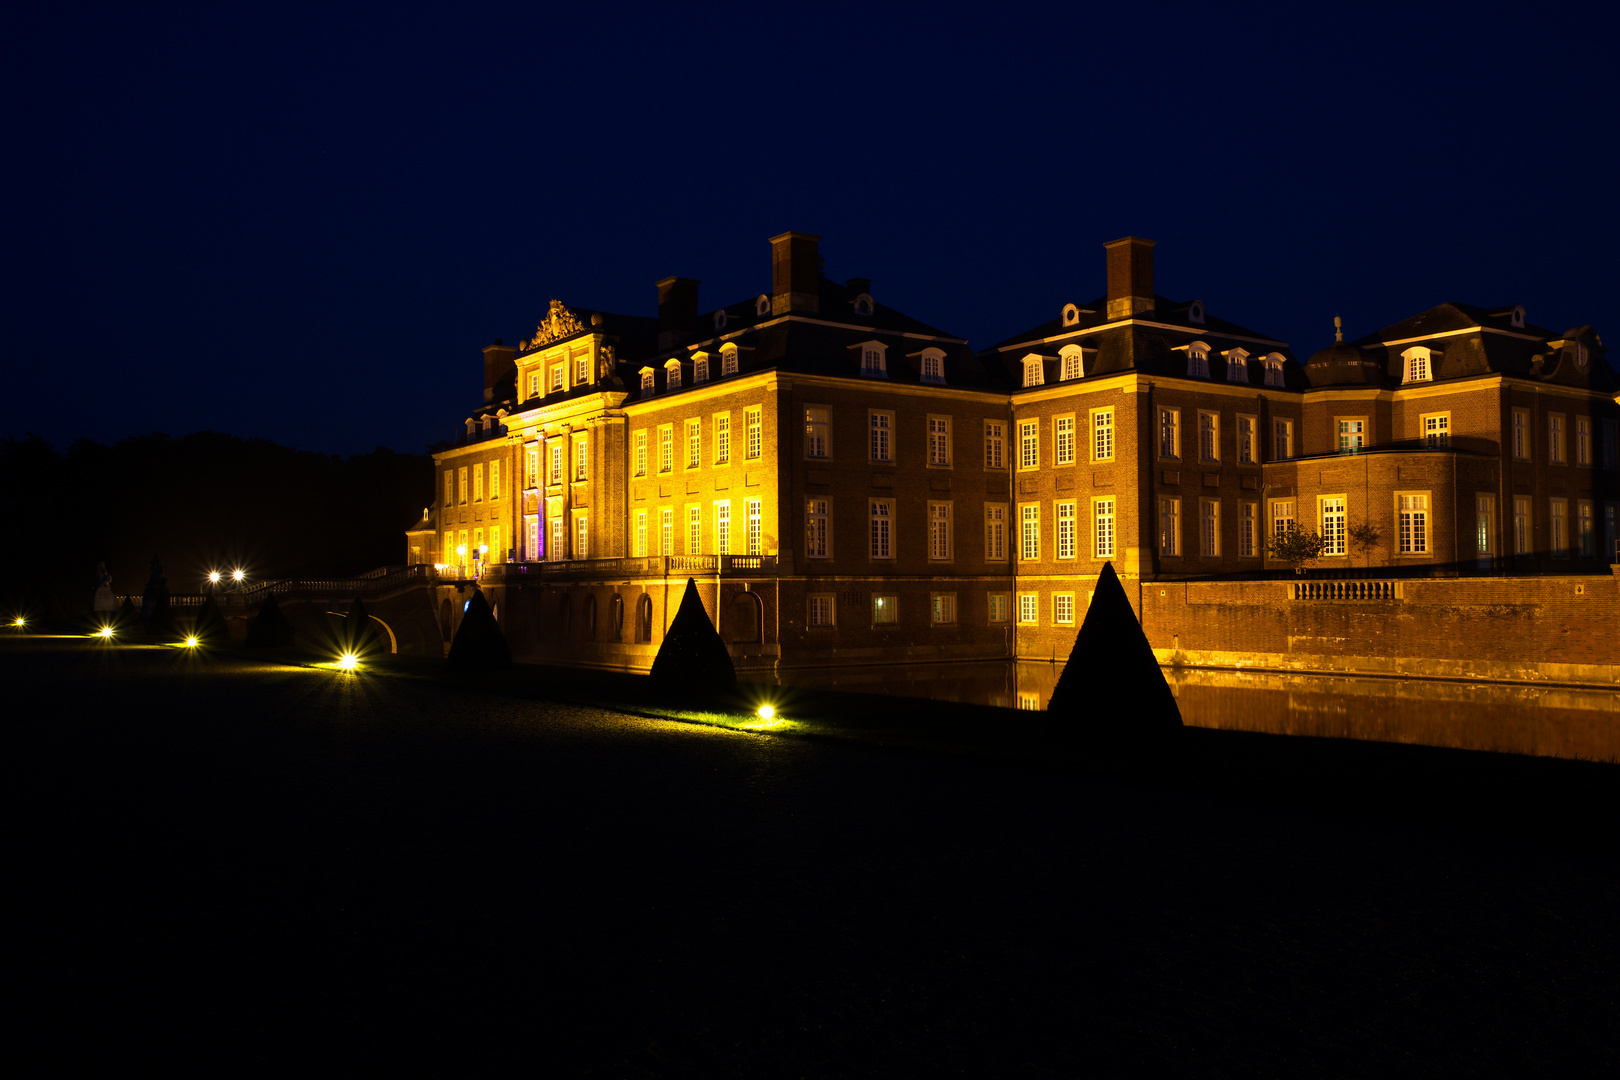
848,484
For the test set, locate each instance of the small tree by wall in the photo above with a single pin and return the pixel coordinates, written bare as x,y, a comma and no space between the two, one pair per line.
1295,546
1364,538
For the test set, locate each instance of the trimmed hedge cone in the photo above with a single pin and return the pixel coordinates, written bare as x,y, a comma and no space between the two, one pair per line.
209,624
1111,692
692,658
479,644
270,628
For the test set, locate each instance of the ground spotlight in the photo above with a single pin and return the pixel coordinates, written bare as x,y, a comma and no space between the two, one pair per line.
191,642
105,633
348,661
767,712
19,622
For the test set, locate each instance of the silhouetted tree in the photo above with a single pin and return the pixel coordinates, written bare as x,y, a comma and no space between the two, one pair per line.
692,658
479,644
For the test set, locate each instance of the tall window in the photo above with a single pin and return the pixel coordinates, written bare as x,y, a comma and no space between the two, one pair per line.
494,480
1030,532
1521,434
557,537
1584,527
1063,609
1283,440
1029,610
557,461
755,425
1063,440
728,360
1333,525
1169,527
1071,361
882,519
461,484
1522,536
666,531
933,366
478,483
1274,370
694,530
1102,528
995,532
531,478
722,528
1065,530
694,443
939,440
1282,516
939,530
581,458
1245,440
1437,430
700,368
1417,365
756,538
672,375
1237,366
641,533
646,382
1209,437
1555,438
944,608
1209,528
1414,523
815,522
1249,531
1170,433
880,428
534,384
582,545
641,453
1198,361
1352,435
872,360
534,552
722,439
449,487
556,377
1583,440
994,437
1558,519
1102,435
1485,529
1034,375
666,448
816,443
1029,443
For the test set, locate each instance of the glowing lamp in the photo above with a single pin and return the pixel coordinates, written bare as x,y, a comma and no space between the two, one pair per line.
767,712
461,549
191,642
237,575
213,577
19,622
105,633
348,661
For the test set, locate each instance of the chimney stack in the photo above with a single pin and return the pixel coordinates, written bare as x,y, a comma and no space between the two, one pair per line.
500,367
677,310
1130,277
795,274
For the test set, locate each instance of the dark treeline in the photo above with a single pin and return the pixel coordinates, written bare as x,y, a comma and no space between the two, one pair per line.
201,502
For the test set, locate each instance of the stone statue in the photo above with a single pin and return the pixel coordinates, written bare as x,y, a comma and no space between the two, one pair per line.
104,604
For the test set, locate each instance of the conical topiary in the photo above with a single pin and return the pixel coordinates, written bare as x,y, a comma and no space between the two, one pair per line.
209,624
270,628
1111,691
692,657
128,617
360,633
160,623
479,644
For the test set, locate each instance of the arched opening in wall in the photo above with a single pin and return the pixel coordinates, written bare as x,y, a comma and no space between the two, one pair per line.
444,618
744,618
588,630
644,619
564,615
617,614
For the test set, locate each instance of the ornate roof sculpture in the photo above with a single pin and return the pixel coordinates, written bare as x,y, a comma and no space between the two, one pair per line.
559,323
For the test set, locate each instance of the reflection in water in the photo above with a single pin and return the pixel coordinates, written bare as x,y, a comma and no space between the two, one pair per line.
1550,721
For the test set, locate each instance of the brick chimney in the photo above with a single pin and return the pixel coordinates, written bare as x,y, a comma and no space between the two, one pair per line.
1130,277
795,274
677,310
500,369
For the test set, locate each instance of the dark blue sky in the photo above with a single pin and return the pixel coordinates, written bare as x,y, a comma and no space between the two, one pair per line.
303,225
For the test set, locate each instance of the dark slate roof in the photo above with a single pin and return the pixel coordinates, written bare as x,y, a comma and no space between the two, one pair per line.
1448,318
1165,311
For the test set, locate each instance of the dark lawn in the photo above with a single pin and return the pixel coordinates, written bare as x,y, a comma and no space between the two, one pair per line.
232,865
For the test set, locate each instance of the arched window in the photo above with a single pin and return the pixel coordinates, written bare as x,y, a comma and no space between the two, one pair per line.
672,375
1274,368
728,360
1034,370
1419,365
617,612
744,618
588,630
933,366
700,368
1237,365
1518,316
644,619
874,359
1073,358
1197,360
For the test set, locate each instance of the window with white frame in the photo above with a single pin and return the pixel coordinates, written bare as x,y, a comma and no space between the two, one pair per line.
1169,527
1063,609
1065,530
1198,360
817,440
534,552
1584,527
672,375
994,438
449,487
933,366
1102,435
694,530
995,532
1029,608
531,477
756,536
874,362
1412,508
694,443
1034,373
880,435
1558,521
582,535
1436,430
1282,432
1102,528
700,368
996,605
1333,524
1419,365
939,442
534,384
1245,440
1063,440
753,419
816,513
666,530
939,530
1029,544
1249,531
1583,440
1274,369
728,360
943,608
581,458
1029,443
1352,434
1209,528
558,535
819,609
641,534
885,610
1072,361
582,369
641,453
722,438
1555,438
1523,538
1237,365
461,484
1521,434
666,448
1209,436
1170,434
557,451
1282,516
558,374
646,381
881,515
494,480
722,527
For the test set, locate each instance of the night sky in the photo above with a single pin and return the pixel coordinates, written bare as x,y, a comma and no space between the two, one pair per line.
304,225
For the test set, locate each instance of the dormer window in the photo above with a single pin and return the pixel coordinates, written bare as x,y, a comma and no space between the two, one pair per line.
762,306
486,425
672,375
874,360
720,321
700,368
1274,369
557,375
534,384
1034,370
472,427
863,304
1197,360
1237,365
1195,313
1072,359
933,366
582,369
1071,316
1517,318
1419,365
647,382
728,360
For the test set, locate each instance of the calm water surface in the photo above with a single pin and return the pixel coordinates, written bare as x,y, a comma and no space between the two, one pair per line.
1550,721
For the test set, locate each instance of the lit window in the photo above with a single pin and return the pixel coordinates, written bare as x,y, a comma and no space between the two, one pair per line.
461,484
700,368
556,461
885,610
582,547
1237,366
944,608
1245,439
581,457
1102,435
1029,610
666,531
1274,369
816,444
478,483
1169,527
641,533
1209,528
1072,362
722,439
1333,525
874,363
756,537
1209,437
1282,516
1198,361
534,384
647,381
933,366
995,532
557,374
1170,434
1063,609
666,449
1065,530
494,480
1352,435
754,423
1034,375
449,487
939,530
1414,524
939,441
880,426
1029,441
815,517
1418,366
641,453
1437,430
728,360
532,478
1063,440
994,437
1029,532
1283,440
694,530
722,528
672,375
1102,530
694,443
881,512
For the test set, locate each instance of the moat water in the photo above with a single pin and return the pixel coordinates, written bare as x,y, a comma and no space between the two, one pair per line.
1547,721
